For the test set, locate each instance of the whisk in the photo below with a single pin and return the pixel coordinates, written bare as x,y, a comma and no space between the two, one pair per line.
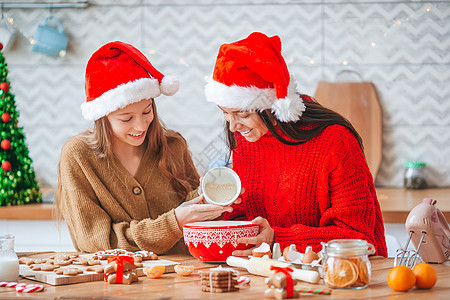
407,257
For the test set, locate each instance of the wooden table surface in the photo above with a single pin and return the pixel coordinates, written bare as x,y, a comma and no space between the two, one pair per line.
173,286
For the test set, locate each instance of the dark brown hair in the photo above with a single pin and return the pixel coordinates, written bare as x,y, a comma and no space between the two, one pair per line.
315,118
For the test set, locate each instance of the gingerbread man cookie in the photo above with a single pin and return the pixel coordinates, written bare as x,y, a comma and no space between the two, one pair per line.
26,261
278,280
112,267
127,278
59,262
68,271
144,255
96,269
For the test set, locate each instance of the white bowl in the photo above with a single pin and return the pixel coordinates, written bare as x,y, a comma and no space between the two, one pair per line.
221,175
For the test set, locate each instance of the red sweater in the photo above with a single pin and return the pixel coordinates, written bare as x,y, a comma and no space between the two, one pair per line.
310,193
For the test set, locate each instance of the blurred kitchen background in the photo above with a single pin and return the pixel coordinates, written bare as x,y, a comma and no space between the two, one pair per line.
402,47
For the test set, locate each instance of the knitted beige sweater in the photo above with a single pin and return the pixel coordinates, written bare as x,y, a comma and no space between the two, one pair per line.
105,207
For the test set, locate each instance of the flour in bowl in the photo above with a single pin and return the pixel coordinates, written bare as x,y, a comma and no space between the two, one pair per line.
220,193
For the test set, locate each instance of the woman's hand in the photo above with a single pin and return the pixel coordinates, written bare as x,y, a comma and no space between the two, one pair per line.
239,199
266,235
194,211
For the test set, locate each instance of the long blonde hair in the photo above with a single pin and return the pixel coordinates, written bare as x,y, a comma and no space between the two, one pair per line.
157,139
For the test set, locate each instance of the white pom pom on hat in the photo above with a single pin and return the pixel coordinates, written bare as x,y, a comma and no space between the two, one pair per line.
169,85
117,75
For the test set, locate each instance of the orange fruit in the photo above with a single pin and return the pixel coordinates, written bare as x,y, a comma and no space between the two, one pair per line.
364,275
341,273
154,271
401,278
426,276
184,270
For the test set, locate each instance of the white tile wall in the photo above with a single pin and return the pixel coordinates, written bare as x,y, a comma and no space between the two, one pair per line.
409,64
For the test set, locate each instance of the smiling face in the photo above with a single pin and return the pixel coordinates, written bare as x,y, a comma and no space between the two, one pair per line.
130,124
248,124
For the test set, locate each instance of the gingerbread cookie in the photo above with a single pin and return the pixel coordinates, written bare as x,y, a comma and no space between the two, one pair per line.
219,280
278,280
223,283
104,254
48,267
63,256
35,267
94,262
68,271
96,269
112,267
43,267
146,255
26,261
80,261
40,261
128,277
219,290
61,263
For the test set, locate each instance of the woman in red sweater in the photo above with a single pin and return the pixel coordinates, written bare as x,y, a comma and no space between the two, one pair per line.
302,166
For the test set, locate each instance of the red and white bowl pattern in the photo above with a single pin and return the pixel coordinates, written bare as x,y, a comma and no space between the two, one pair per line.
214,241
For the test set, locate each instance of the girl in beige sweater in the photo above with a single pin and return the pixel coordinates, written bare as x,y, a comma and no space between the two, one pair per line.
129,183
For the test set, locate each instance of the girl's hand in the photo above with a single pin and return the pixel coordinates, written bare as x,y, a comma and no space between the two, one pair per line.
193,211
266,235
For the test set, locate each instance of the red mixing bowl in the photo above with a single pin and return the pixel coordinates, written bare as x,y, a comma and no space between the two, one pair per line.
214,241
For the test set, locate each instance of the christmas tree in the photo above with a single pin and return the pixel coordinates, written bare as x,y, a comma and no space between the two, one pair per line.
17,179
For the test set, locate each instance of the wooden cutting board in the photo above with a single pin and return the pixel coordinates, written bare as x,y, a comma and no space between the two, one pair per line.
358,102
50,277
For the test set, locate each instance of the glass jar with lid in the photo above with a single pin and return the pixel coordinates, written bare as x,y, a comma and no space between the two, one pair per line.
346,263
415,175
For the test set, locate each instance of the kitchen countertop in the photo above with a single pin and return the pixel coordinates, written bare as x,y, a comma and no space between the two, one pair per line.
173,286
396,203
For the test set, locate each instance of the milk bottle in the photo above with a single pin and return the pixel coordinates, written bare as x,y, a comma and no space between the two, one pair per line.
9,263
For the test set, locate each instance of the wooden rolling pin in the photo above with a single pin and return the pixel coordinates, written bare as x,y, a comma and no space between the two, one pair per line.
261,266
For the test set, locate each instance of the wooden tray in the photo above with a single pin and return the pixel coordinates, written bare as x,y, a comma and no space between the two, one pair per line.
52,278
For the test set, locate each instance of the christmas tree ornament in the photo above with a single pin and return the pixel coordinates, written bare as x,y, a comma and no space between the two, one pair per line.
4,86
6,166
5,144
6,117
1,46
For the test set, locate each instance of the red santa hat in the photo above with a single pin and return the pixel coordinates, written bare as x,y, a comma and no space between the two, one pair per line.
118,74
251,74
